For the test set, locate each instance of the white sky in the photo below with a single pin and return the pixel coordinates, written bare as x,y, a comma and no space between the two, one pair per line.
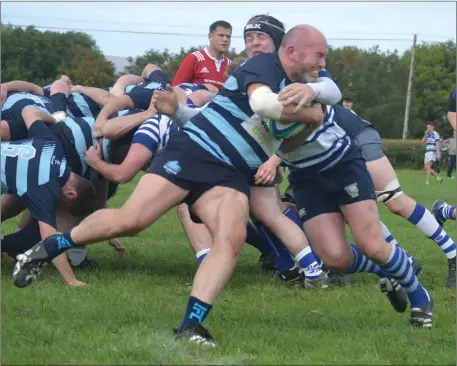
432,21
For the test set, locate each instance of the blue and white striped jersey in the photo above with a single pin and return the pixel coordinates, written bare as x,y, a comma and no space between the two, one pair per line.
325,147
430,141
155,132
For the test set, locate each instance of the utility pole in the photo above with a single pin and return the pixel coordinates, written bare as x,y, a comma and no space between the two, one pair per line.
408,93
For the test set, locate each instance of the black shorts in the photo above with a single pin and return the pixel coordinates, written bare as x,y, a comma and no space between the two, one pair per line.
370,144
186,164
346,183
18,129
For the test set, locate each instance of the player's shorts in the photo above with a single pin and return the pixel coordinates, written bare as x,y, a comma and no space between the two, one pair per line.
18,129
369,142
189,166
345,183
430,157
158,76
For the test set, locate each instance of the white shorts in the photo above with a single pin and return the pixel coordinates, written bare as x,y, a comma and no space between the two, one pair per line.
430,157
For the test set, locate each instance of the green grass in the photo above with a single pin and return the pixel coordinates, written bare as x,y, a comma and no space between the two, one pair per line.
126,314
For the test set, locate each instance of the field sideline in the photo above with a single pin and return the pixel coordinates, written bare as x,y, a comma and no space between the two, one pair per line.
126,314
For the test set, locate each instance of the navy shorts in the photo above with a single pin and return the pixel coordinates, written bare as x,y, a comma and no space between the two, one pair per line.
159,76
186,164
18,129
346,183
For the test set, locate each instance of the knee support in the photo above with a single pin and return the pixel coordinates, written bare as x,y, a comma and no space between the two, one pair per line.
391,191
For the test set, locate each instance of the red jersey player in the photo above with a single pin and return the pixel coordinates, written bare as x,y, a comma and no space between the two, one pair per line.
208,65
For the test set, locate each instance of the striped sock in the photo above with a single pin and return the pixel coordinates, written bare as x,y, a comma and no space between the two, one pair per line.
388,237
399,268
202,254
309,263
446,212
424,220
362,263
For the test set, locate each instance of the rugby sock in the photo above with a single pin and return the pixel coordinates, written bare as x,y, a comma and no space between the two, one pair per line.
309,263
202,254
388,237
257,239
446,212
59,100
399,268
362,263
58,243
196,312
21,241
293,215
424,220
283,260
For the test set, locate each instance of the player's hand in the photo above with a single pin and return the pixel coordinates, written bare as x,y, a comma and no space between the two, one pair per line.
165,102
117,246
76,283
265,174
299,93
76,88
94,154
99,122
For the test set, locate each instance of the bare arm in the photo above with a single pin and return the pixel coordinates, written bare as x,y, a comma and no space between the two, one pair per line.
123,82
31,115
99,96
452,119
117,127
135,160
23,86
115,105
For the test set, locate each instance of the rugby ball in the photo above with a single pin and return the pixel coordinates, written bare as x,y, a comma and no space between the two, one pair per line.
284,130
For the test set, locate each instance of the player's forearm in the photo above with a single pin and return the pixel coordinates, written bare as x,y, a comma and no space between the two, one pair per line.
326,91
296,141
451,117
113,172
23,86
183,114
312,115
99,96
115,105
123,82
62,265
117,127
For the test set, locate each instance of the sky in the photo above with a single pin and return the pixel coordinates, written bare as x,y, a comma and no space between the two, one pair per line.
359,24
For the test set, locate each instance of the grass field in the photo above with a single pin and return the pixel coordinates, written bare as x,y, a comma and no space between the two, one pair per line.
126,314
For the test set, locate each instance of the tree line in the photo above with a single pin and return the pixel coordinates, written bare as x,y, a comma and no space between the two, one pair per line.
376,80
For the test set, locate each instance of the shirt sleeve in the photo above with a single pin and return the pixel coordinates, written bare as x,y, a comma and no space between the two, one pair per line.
261,69
185,73
42,202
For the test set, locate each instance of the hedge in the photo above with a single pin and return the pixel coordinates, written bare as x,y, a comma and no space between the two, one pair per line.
407,153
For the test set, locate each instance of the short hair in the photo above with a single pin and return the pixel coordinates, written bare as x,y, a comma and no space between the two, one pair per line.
84,202
219,23
119,148
232,66
347,99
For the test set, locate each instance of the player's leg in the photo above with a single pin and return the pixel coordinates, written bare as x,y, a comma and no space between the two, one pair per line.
143,207
358,204
224,211
11,206
264,205
198,234
59,92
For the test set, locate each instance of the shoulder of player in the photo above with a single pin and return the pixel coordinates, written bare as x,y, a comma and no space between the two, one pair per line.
198,55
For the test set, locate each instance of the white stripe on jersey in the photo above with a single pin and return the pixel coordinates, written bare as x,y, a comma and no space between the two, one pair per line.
155,132
198,55
325,146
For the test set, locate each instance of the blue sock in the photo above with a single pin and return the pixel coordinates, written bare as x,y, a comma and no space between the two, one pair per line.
309,263
257,239
283,260
424,220
196,312
291,214
388,237
399,268
202,254
446,212
361,263
58,243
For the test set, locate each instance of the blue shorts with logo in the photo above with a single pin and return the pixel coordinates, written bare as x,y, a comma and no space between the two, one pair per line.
186,164
347,182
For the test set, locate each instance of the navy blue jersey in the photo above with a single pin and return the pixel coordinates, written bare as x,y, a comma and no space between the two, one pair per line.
78,104
351,123
451,106
16,102
189,88
35,169
228,128
141,94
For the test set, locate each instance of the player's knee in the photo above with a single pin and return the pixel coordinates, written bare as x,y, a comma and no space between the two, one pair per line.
148,69
183,212
5,133
337,259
